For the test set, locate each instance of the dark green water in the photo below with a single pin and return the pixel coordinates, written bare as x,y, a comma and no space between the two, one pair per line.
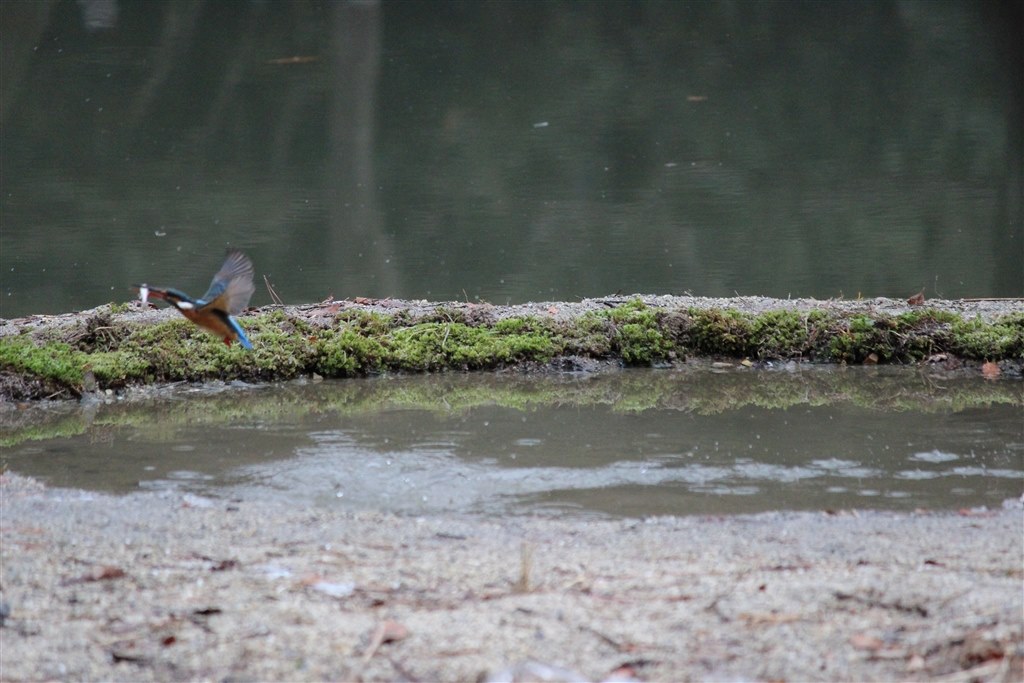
510,151
634,443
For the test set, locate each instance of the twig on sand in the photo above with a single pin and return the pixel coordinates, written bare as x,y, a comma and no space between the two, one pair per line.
386,632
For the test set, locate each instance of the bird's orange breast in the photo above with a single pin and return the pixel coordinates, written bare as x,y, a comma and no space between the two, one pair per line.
211,321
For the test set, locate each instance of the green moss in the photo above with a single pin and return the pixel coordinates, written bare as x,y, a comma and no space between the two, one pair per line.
590,335
718,332
641,343
348,352
367,323
916,335
165,334
435,346
54,362
781,334
637,335
118,368
108,351
283,346
1001,339
629,311
853,340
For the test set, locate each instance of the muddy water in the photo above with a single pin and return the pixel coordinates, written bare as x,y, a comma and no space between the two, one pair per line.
703,440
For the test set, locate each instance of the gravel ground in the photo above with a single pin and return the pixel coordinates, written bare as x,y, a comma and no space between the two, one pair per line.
171,587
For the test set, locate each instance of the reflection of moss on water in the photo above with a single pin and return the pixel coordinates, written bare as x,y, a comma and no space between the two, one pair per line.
715,391
698,389
44,425
107,352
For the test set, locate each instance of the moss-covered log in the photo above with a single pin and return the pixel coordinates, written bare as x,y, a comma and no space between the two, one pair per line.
119,345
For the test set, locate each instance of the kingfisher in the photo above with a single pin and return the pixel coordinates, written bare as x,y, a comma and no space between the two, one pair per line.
228,294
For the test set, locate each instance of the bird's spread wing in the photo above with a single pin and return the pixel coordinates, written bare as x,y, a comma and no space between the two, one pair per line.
232,285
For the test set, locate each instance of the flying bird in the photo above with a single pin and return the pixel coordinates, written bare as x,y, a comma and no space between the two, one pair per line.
228,294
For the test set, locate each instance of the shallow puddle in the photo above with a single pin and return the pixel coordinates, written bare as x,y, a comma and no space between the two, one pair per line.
699,441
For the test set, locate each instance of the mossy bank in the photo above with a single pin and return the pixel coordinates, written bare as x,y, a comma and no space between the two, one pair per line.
119,345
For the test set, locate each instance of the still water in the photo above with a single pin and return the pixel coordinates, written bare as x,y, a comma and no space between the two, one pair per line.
510,151
634,443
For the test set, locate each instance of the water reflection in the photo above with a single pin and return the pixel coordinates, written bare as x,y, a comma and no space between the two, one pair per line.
511,151
557,445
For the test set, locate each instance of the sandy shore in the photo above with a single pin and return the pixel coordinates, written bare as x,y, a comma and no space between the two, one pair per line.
172,587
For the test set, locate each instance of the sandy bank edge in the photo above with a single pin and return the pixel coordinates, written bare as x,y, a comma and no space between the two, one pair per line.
171,587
